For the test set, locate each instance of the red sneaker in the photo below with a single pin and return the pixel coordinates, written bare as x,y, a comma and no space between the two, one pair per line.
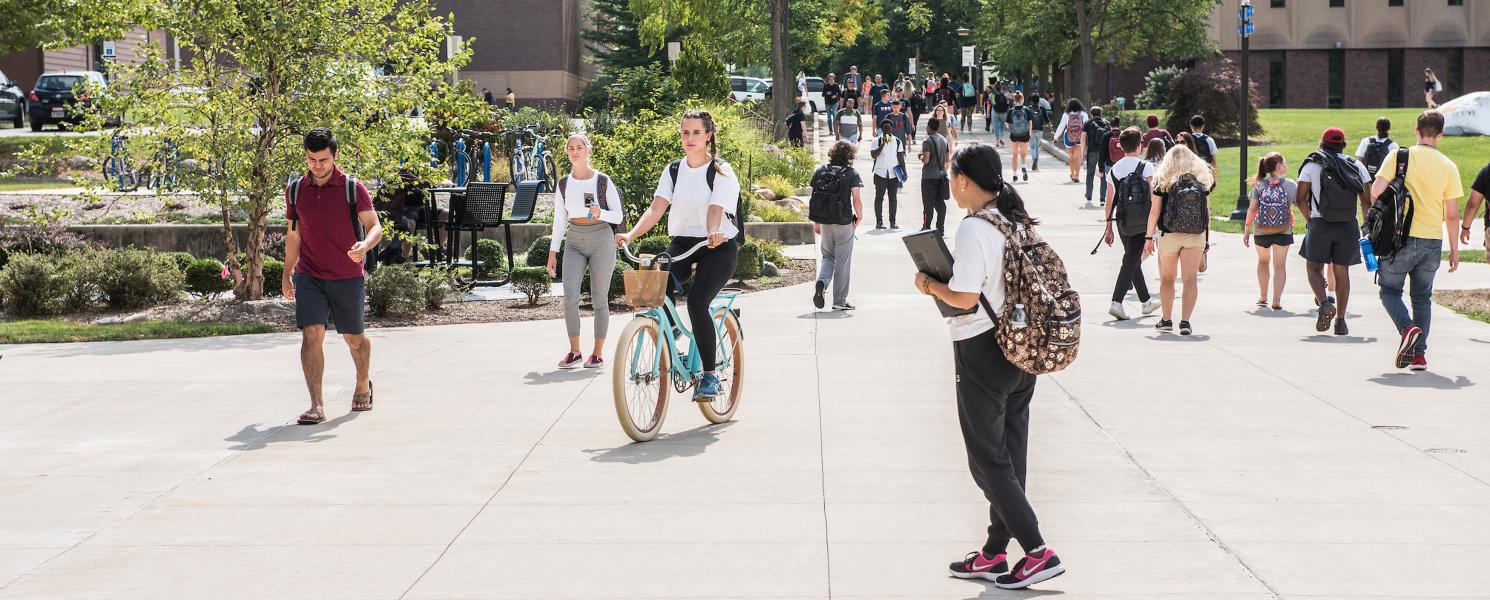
1405,349
1419,363
977,566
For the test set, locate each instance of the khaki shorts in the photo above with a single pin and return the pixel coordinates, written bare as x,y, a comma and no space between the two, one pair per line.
1170,244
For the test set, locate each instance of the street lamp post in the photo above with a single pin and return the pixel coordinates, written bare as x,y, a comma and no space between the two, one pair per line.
963,32
1244,30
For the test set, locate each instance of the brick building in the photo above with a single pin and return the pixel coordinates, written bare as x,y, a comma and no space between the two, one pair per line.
27,65
532,46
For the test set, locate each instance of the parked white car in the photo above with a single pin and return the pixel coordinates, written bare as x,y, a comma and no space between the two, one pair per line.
746,89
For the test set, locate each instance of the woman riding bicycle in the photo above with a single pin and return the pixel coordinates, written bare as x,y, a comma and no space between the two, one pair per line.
585,209
699,206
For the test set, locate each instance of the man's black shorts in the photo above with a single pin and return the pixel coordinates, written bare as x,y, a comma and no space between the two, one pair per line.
328,301
1333,243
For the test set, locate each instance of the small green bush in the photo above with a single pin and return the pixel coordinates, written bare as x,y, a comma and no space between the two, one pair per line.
538,256
394,289
770,212
748,265
772,251
653,244
1156,87
274,273
183,259
1211,91
32,285
435,285
79,271
134,278
204,278
533,282
491,254
617,281
778,185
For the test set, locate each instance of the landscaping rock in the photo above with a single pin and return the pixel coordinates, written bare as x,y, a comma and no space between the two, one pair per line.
803,191
271,307
754,219
765,194
108,321
769,269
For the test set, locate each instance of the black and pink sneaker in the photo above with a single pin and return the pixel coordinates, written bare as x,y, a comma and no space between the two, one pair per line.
595,362
1032,569
572,360
977,566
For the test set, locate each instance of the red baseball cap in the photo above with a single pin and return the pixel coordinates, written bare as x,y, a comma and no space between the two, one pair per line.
1333,135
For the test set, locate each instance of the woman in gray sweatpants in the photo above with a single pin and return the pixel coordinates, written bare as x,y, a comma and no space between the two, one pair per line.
587,208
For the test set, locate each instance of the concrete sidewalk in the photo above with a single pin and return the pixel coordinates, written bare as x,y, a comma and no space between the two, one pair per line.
1241,462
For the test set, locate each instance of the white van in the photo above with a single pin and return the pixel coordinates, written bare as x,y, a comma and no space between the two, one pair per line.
747,89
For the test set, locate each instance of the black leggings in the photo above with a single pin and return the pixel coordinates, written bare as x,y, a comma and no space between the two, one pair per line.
715,268
882,185
993,403
1130,275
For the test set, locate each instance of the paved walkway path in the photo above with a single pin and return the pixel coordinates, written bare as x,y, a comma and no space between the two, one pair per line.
1241,462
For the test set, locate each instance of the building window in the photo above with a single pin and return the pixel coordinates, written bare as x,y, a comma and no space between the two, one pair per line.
1337,3
1278,80
1454,78
1456,2
1394,2
1395,76
1337,78
1277,3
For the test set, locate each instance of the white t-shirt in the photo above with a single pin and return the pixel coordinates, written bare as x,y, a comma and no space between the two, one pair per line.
977,266
688,215
570,204
1125,166
1361,149
1310,173
884,164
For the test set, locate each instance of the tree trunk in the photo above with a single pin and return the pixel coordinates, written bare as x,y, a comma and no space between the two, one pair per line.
783,101
1081,63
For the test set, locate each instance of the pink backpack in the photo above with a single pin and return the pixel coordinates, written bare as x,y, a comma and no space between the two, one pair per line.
1074,125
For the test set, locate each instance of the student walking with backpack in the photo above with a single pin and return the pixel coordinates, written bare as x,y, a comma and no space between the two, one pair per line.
587,212
850,122
1019,119
332,228
700,195
965,104
993,394
832,94
1205,147
1155,132
1094,141
1000,116
1038,125
1129,203
836,210
1112,151
1182,212
1331,188
1269,225
1374,150
934,158
888,153
1069,130
1432,183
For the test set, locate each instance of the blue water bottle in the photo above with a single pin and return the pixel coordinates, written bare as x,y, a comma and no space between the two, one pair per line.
1369,254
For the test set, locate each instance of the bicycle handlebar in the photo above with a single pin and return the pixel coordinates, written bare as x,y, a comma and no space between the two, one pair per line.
664,257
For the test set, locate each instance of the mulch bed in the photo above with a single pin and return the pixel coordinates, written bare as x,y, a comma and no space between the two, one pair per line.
453,313
1470,302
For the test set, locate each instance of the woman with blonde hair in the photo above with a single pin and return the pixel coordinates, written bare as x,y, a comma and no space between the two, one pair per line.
1182,212
949,123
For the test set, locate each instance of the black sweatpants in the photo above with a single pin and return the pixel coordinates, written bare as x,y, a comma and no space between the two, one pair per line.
934,193
882,185
715,268
1130,275
993,403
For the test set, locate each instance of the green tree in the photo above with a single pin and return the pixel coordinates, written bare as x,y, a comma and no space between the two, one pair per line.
257,74
60,23
700,72
615,39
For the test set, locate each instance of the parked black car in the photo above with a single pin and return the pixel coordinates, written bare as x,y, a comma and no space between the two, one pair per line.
12,102
55,94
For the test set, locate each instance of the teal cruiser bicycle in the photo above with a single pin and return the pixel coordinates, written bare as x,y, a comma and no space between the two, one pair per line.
651,360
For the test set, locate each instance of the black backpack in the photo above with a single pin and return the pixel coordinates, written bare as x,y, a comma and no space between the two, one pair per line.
672,171
292,192
1340,186
1000,102
832,201
602,183
1185,208
1202,145
1134,201
1376,153
1390,217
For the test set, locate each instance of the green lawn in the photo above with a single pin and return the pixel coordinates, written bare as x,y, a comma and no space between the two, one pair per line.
1295,133
17,186
38,332
1469,256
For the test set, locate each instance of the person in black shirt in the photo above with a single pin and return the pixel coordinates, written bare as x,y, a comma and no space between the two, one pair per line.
831,94
794,125
1478,191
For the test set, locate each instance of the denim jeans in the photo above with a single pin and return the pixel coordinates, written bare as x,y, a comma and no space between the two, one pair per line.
998,125
1035,136
1093,162
832,108
1418,260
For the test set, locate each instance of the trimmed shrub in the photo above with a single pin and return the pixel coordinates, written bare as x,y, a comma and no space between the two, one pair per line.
274,273
1211,91
32,285
617,281
394,289
33,237
183,259
778,184
749,263
204,278
490,253
533,282
134,278
1156,87
538,256
79,271
652,244
435,285
770,212
773,252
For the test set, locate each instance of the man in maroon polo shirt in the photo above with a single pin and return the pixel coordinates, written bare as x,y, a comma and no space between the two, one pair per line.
323,267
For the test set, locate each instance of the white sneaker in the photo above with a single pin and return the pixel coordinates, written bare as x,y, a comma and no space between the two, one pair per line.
1152,305
1117,311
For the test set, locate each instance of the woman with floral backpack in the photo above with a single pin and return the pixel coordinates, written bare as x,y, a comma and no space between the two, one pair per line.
1270,223
1068,133
993,391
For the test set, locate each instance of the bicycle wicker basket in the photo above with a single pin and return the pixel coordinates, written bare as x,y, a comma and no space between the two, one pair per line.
645,287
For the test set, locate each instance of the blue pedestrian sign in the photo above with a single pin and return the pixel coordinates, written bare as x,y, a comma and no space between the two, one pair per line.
1245,12
1245,29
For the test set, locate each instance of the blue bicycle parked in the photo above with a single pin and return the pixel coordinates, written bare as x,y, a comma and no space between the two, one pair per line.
533,162
650,360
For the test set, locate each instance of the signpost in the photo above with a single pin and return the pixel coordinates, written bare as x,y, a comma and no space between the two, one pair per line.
913,66
673,50
969,60
109,51
1244,30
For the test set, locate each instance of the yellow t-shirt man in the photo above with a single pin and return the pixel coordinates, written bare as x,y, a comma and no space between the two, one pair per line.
1433,181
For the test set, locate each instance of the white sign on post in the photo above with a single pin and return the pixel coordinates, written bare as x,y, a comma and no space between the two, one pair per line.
967,55
913,66
109,49
673,50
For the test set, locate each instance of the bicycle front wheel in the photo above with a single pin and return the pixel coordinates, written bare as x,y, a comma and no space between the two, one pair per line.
550,173
641,380
518,167
730,368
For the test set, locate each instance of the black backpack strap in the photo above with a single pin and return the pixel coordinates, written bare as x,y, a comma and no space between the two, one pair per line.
672,171
601,183
293,192
563,185
351,190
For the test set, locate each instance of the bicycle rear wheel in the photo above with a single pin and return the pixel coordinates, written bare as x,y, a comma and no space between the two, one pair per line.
519,168
641,380
550,173
731,371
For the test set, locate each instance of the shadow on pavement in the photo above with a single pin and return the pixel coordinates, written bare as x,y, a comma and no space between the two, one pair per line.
1174,337
1422,380
993,592
253,438
558,375
1130,324
1272,314
827,314
692,442
1479,341
1337,339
